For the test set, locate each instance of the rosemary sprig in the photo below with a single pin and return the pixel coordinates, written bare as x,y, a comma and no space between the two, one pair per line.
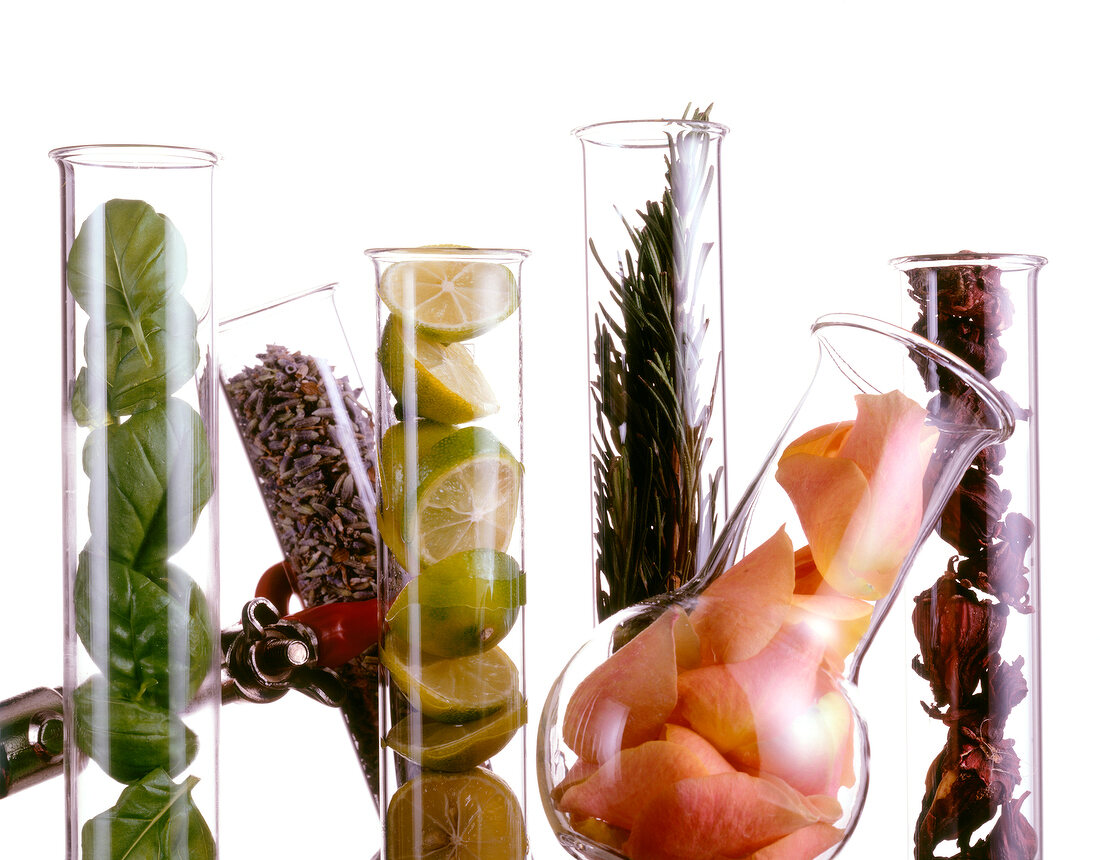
655,510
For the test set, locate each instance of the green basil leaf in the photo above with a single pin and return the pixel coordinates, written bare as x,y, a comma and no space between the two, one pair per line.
148,631
128,738
155,819
124,382
153,473
125,262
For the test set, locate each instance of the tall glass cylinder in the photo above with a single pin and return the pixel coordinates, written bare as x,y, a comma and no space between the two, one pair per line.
452,581
974,727
306,427
653,246
140,506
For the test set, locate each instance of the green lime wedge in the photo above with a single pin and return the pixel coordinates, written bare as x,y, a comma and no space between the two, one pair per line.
467,497
452,689
445,747
463,604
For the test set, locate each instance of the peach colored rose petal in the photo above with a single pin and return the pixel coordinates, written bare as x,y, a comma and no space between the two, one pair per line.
805,843
711,759
734,705
740,612
628,781
838,621
722,815
628,698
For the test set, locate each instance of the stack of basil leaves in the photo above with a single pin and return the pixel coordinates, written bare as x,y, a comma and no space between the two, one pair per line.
144,621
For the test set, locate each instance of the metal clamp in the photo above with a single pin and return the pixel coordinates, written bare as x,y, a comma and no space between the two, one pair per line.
31,739
270,655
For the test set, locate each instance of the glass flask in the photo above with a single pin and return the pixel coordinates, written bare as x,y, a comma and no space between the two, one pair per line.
141,679
721,719
654,284
307,430
974,710
452,582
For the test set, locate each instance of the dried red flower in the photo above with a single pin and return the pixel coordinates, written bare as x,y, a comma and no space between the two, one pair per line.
963,291
973,775
971,518
957,634
999,569
1013,837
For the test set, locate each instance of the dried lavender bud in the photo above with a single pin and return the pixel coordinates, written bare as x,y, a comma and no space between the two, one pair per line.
321,513
293,443
957,634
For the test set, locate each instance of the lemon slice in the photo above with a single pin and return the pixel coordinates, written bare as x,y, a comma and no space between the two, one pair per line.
449,300
444,816
464,604
452,690
445,747
433,380
467,496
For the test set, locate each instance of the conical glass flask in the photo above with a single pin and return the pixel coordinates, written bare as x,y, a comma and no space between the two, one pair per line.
721,720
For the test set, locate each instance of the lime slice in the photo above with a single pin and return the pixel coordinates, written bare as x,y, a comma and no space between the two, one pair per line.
449,300
467,496
392,537
446,384
445,747
393,455
452,689
463,604
443,816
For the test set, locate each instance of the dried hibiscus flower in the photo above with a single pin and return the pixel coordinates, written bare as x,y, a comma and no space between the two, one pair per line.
957,634
965,784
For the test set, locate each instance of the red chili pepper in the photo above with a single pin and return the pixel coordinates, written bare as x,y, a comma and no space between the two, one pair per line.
275,585
344,630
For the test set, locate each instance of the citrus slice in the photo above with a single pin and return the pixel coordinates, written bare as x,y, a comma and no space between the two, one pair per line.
463,604
443,816
392,537
393,455
467,496
452,689
433,380
450,748
449,300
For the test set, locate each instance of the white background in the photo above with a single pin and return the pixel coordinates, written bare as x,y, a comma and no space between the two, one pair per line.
859,131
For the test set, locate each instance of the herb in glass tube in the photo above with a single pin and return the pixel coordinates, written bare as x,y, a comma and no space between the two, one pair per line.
146,451
652,417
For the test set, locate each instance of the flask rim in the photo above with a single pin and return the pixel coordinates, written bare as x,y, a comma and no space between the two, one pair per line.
1001,420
